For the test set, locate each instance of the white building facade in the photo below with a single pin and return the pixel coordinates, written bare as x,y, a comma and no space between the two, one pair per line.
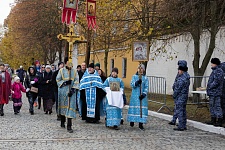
181,48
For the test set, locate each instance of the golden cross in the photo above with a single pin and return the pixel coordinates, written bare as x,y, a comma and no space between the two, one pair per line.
71,38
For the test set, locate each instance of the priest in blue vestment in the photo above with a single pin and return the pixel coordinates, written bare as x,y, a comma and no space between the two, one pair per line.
91,95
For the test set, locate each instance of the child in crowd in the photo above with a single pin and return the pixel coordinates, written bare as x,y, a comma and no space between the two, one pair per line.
17,87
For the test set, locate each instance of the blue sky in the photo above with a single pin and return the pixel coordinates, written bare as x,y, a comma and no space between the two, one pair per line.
4,9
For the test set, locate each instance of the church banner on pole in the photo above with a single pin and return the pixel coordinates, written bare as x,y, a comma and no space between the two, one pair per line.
69,11
91,14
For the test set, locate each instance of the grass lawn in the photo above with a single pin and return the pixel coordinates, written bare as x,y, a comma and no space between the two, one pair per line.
193,112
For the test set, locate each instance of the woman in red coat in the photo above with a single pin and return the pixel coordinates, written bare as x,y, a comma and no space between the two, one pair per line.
5,88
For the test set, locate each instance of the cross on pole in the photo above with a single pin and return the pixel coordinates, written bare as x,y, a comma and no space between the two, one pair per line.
71,37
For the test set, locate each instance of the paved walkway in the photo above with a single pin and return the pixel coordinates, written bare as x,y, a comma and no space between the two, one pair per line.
41,131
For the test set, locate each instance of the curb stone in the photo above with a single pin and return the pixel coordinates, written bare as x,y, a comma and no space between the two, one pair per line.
195,124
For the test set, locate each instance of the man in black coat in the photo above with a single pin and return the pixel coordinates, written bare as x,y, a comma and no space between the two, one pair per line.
82,71
40,74
47,92
60,65
21,74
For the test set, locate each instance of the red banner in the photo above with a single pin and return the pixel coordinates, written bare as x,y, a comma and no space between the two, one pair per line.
69,11
91,14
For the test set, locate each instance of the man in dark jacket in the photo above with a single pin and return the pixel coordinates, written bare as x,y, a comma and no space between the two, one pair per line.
214,91
180,95
21,74
222,66
42,70
82,71
60,65
47,92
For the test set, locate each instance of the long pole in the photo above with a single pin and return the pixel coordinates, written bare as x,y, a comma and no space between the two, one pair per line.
140,77
70,67
69,88
88,50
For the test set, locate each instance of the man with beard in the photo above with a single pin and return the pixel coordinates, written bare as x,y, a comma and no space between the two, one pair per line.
91,95
68,81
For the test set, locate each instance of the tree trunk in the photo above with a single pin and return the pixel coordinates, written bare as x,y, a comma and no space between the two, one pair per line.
60,51
66,48
197,72
66,30
200,71
106,61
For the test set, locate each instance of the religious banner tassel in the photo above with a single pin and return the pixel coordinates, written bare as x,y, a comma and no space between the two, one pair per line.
73,15
68,17
64,12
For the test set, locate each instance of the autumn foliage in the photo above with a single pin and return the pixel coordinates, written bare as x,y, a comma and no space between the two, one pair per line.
32,32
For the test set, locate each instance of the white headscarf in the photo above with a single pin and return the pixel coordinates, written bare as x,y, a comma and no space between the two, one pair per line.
142,66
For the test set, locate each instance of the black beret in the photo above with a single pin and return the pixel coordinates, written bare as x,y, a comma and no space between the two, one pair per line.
91,65
215,61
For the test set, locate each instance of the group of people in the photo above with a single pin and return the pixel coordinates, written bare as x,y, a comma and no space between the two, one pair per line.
215,91
86,90
89,92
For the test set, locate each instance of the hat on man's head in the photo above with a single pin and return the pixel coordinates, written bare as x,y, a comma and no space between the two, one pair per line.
97,65
48,67
91,65
215,61
78,66
37,62
16,78
182,63
115,70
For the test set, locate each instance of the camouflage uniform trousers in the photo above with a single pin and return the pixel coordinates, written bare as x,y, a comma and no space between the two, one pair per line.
175,115
215,106
223,105
180,111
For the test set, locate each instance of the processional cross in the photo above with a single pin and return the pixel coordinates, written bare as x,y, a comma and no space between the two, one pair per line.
71,37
